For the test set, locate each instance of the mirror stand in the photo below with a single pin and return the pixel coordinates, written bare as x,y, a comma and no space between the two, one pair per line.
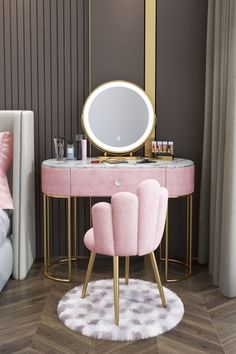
115,158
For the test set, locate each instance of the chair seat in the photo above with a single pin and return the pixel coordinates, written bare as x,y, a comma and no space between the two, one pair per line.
89,240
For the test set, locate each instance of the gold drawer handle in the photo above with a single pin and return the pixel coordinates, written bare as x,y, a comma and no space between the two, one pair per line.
117,183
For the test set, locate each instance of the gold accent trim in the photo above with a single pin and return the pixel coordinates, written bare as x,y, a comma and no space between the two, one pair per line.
188,263
88,273
126,270
150,62
75,227
116,288
45,231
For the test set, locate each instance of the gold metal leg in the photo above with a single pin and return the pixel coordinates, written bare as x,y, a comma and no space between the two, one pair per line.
48,231
187,233
75,227
190,233
116,288
47,262
88,273
69,237
157,278
127,270
45,232
188,262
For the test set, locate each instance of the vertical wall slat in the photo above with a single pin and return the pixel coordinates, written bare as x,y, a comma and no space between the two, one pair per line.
41,97
21,57
27,53
67,68
2,61
61,104
34,86
81,62
7,41
54,112
74,68
14,54
47,59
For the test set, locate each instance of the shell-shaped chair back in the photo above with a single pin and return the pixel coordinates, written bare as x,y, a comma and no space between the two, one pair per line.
132,224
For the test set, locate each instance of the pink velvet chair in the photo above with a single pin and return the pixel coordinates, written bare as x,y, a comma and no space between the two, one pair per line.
131,225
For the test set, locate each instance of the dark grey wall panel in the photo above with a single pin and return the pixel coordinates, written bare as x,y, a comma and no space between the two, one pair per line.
181,56
118,41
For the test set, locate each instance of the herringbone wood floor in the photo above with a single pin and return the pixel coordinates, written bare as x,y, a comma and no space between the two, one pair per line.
29,323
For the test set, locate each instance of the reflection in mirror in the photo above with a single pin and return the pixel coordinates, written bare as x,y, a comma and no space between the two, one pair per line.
118,117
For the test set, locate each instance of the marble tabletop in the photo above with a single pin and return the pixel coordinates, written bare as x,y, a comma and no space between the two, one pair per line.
176,163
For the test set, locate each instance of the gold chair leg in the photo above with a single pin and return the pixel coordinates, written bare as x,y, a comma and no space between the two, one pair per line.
157,278
127,270
116,288
88,273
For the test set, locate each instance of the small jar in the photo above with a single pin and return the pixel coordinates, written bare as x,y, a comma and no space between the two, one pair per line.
70,151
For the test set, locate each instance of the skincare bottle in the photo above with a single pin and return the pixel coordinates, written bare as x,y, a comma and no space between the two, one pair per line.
83,148
78,146
164,147
153,147
157,152
70,151
160,150
171,145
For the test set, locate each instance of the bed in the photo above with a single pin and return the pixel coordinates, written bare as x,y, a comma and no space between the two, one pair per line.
17,248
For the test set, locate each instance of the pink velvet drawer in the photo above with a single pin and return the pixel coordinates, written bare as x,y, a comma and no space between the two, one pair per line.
56,181
106,182
180,181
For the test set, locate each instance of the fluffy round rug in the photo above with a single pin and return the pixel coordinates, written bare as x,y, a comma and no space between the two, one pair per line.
141,311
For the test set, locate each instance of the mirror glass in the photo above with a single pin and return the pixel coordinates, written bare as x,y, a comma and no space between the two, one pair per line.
118,117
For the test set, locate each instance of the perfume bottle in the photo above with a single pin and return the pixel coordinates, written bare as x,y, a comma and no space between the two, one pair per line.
59,148
70,151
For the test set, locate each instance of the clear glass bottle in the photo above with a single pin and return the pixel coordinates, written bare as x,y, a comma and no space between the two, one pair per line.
70,150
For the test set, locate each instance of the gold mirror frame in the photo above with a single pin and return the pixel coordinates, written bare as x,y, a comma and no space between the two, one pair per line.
150,61
89,131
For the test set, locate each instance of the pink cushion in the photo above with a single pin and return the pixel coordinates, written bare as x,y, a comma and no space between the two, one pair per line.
6,154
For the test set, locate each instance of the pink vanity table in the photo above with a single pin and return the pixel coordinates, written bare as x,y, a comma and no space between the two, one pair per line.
70,179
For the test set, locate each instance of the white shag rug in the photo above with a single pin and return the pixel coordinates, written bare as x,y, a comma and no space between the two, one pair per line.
141,312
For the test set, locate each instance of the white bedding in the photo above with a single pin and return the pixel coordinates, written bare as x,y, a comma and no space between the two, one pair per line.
5,224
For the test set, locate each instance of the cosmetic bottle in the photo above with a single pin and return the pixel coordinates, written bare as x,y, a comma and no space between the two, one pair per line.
153,147
70,151
164,147
160,147
78,146
84,148
171,145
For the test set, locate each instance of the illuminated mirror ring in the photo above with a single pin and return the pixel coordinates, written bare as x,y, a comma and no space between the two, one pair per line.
118,117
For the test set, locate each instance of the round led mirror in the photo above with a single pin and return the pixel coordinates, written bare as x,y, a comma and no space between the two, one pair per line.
118,117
